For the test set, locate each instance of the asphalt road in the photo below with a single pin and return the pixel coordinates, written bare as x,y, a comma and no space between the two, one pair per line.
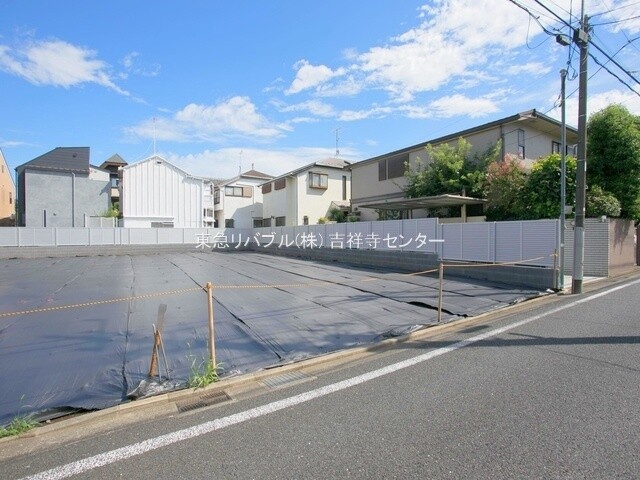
552,392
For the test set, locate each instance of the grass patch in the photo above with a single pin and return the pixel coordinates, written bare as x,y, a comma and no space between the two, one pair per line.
17,426
203,373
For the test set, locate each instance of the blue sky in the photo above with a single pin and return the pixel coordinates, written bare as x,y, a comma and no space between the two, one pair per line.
224,85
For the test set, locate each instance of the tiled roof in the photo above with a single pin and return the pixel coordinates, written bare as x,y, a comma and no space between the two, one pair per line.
113,160
63,159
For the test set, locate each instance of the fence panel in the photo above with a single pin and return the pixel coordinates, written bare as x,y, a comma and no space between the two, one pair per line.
483,242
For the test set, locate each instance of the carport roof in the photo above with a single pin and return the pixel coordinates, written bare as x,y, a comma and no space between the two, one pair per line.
435,201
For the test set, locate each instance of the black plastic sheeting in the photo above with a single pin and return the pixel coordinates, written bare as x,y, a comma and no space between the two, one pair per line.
268,311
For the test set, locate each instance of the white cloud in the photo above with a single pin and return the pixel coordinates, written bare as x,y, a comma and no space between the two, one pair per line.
353,115
225,163
624,13
531,68
455,36
315,107
597,102
131,64
57,63
456,105
310,76
235,117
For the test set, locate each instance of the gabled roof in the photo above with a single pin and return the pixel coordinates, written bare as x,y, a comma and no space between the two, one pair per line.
114,160
159,159
61,159
252,174
536,119
256,174
327,162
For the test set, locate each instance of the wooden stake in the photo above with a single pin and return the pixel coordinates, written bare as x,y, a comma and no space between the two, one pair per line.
212,345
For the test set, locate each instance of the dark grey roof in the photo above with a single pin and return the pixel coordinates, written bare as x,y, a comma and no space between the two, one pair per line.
113,160
536,119
256,174
61,159
327,162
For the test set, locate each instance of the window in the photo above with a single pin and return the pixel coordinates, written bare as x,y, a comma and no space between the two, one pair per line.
208,212
344,187
228,223
233,191
521,152
266,222
280,184
10,198
280,221
114,183
393,167
318,180
257,222
382,170
305,220
266,188
216,196
569,150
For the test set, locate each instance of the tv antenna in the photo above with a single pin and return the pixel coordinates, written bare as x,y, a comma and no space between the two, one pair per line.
337,132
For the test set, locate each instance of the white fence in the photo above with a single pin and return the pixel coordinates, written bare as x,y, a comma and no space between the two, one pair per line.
531,242
59,236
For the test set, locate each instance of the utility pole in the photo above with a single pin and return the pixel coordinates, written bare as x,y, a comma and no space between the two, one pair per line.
581,38
563,177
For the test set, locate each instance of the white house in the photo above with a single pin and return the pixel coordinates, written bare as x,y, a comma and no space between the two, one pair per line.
155,193
302,196
238,201
378,183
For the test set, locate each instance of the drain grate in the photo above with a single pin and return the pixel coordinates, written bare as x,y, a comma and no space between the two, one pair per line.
285,379
205,400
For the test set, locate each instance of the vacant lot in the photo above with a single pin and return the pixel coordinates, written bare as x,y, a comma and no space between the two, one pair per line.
77,332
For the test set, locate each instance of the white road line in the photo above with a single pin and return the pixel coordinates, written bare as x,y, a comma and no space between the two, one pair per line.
90,463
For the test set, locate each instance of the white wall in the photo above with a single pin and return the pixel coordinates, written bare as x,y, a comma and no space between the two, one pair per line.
241,209
315,202
154,190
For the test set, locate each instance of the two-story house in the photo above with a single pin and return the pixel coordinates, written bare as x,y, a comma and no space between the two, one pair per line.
378,183
112,165
60,189
7,194
238,201
303,196
155,193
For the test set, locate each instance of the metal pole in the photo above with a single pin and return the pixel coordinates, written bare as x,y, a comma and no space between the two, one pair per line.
212,345
441,275
581,37
563,177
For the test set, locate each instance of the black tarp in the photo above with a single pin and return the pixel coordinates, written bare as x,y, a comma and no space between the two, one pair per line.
76,333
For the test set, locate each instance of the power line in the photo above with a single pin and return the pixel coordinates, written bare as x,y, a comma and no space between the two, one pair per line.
611,59
613,74
615,9
615,21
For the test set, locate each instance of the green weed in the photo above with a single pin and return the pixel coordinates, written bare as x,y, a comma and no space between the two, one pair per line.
17,426
203,373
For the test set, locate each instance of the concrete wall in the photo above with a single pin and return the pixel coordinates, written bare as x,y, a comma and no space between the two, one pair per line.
410,262
621,246
65,197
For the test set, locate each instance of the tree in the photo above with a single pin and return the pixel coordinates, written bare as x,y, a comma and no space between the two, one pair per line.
601,203
504,188
613,154
542,193
450,170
